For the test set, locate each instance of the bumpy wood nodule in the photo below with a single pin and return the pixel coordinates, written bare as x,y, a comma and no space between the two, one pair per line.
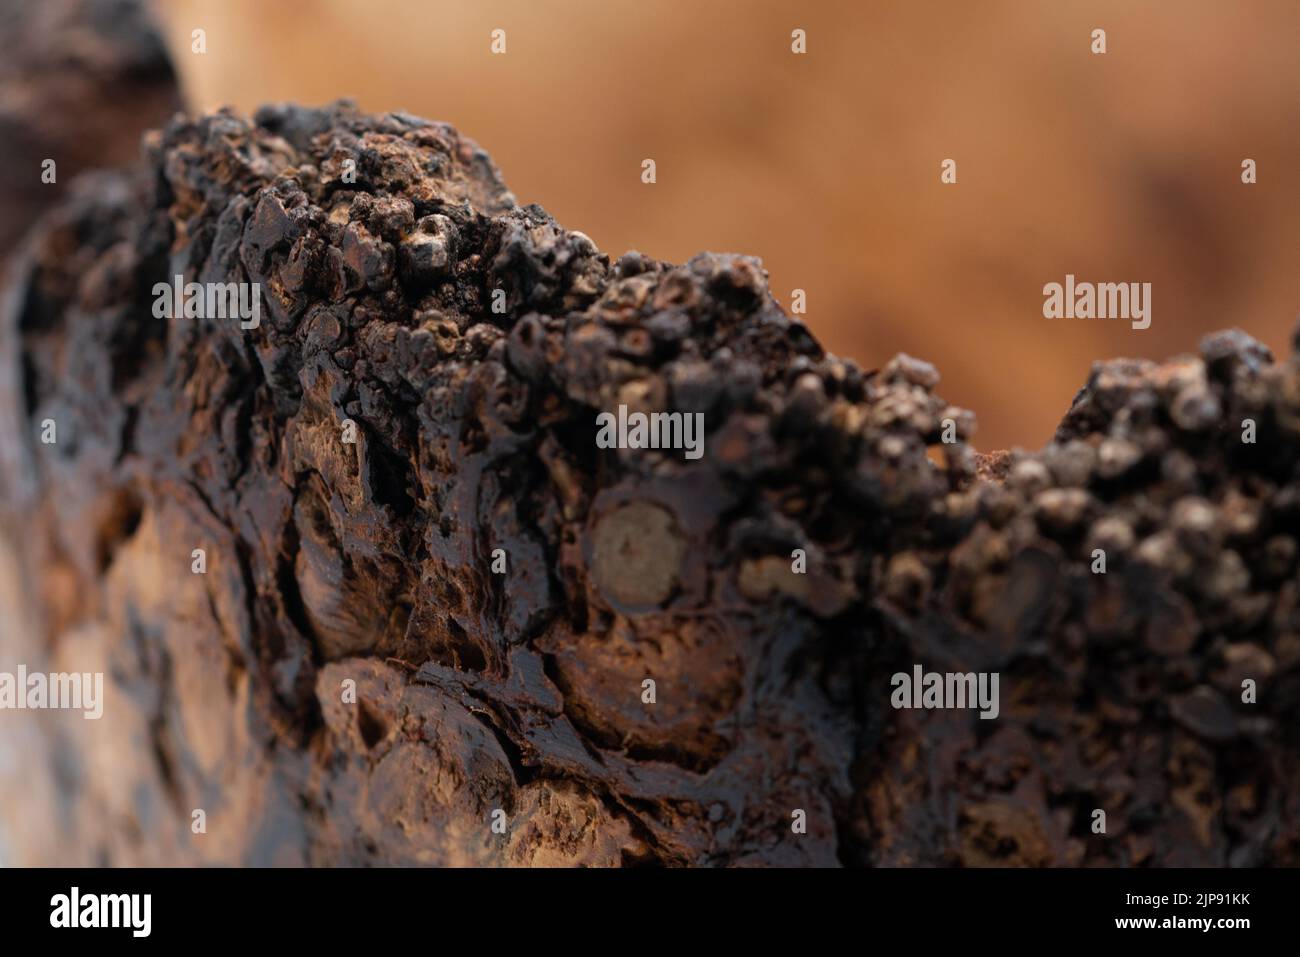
333,564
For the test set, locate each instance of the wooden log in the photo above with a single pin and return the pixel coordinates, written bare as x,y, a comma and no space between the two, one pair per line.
439,622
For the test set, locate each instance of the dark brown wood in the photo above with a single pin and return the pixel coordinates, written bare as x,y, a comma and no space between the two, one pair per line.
372,563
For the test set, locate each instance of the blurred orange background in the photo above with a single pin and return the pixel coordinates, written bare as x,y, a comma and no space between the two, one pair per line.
1122,167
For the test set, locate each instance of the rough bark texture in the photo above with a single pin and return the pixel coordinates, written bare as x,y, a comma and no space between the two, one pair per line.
475,430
